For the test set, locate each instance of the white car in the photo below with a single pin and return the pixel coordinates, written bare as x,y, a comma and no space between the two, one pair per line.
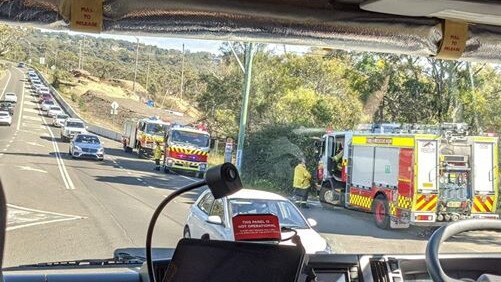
214,217
71,128
47,104
43,90
11,97
5,118
54,110
58,120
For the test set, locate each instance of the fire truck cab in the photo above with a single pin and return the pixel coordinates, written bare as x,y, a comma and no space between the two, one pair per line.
410,177
143,134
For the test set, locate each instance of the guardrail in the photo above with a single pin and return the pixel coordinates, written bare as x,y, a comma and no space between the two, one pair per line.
99,130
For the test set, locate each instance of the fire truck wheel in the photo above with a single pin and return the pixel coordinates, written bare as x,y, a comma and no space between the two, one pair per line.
380,211
324,196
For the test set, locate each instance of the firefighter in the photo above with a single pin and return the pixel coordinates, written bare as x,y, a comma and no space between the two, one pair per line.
157,155
337,159
301,184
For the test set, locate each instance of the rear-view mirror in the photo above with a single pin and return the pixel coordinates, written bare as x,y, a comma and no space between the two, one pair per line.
215,219
312,222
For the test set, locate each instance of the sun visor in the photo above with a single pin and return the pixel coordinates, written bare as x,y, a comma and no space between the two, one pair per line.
313,23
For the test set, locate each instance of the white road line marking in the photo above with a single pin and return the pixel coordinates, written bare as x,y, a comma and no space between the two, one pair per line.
120,166
151,187
5,87
5,149
139,179
7,146
188,178
68,183
47,212
28,168
39,223
22,104
29,110
128,172
10,141
1,154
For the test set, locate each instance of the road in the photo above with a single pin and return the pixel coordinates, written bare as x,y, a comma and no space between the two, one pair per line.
65,209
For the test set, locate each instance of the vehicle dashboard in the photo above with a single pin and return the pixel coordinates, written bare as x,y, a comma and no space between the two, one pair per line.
334,267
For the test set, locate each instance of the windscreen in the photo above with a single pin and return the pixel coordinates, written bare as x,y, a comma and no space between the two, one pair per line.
383,192
156,129
75,124
190,138
287,213
89,139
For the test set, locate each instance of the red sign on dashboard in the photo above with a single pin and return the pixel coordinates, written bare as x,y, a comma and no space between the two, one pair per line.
256,227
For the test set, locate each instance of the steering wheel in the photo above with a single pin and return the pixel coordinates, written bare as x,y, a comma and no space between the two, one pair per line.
445,232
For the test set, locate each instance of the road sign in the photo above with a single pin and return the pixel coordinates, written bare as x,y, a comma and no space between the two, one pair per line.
114,112
42,60
228,150
114,105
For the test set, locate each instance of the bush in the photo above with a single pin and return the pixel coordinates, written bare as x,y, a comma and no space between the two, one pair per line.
271,154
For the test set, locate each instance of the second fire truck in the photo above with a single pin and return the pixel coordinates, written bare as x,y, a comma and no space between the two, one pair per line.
409,178
143,135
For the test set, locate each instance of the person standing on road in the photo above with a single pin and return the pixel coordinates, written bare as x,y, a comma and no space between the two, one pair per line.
157,155
301,184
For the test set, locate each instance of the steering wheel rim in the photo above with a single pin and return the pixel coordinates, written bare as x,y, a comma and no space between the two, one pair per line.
445,232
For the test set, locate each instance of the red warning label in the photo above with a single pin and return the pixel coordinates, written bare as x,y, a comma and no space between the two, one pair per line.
256,227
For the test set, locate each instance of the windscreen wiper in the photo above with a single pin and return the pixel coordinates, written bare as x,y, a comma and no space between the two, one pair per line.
120,261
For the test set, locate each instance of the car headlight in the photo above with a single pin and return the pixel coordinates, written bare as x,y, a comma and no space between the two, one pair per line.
76,148
100,150
202,166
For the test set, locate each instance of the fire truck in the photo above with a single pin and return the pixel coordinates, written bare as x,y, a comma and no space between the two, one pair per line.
187,150
410,176
143,134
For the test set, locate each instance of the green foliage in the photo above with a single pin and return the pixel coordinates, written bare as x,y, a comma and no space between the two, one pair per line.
271,155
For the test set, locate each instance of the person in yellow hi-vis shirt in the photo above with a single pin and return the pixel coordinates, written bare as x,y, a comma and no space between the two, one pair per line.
157,155
302,179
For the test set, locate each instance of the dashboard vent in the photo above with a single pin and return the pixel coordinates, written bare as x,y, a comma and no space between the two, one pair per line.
379,271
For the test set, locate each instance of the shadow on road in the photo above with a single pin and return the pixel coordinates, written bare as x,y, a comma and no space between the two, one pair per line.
350,222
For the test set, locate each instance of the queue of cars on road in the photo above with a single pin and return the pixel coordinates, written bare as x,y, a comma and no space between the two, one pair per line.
82,143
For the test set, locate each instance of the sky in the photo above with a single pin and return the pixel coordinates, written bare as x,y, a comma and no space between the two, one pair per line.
193,45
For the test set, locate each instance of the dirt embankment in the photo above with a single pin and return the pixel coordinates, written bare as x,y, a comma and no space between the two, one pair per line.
95,107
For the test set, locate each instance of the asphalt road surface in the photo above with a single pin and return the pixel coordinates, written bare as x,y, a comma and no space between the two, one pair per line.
66,209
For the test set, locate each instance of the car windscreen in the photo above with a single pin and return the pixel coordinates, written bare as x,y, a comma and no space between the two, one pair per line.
287,213
75,124
87,139
49,102
61,116
4,114
55,108
189,138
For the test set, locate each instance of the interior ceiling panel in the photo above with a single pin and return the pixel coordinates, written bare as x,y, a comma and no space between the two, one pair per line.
336,24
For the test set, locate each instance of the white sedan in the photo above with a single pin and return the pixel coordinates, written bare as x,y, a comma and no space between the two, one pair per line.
213,217
11,97
5,118
54,111
47,104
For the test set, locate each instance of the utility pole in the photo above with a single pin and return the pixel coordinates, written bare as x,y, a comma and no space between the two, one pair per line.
135,68
80,59
474,98
182,76
245,102
148,70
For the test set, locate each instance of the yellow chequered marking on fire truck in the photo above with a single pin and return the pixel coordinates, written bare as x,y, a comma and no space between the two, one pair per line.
393,209
361,201
188,151
404,202
483,204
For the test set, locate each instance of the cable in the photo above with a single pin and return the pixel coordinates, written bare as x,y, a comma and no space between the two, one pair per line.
153,221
